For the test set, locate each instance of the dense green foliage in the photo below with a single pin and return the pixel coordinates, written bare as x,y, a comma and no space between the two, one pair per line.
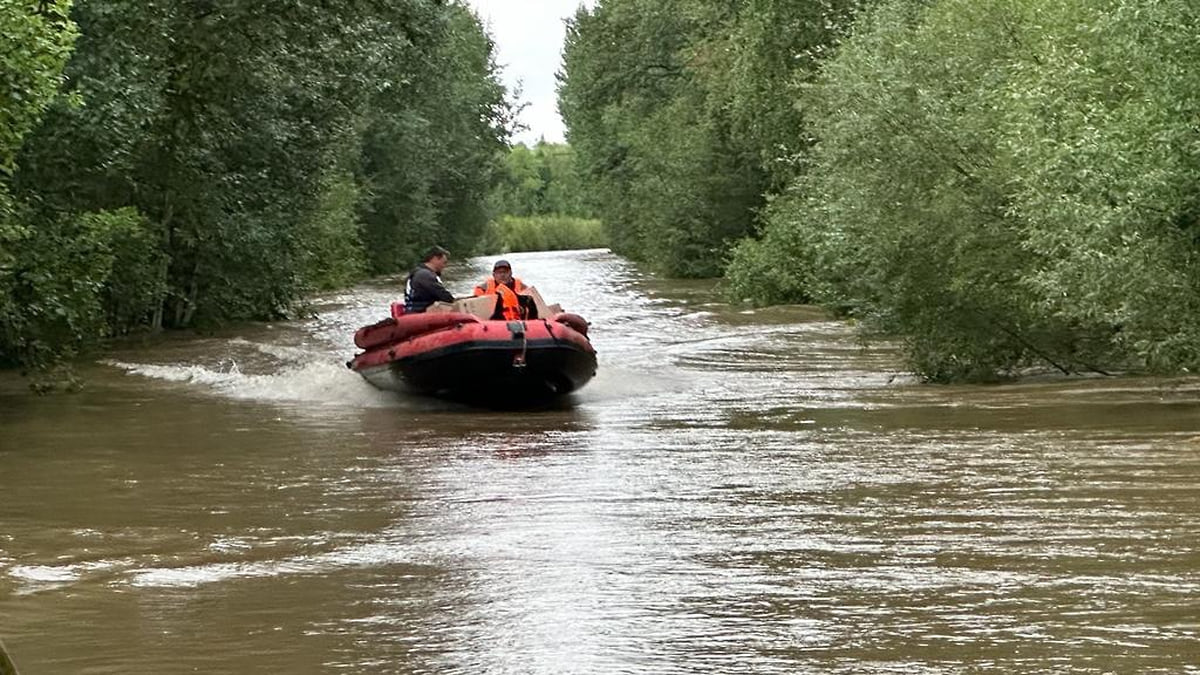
37,42
433,147
213,161
999,185
543,233
680,115
540,181
540,203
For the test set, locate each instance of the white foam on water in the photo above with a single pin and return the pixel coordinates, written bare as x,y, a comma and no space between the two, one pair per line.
317,382
365,555
189,577
35,578
46,574
614,382
289,354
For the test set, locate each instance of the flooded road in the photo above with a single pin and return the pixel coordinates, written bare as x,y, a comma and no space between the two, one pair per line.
735,492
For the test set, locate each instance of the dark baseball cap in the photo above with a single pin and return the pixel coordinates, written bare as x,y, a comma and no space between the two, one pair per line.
501,263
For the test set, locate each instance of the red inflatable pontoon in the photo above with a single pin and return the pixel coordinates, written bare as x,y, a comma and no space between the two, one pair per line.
394,330
460,356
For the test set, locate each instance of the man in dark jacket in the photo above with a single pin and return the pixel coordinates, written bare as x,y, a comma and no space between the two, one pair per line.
424,285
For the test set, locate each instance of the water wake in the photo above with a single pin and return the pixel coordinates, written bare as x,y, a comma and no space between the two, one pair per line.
317,382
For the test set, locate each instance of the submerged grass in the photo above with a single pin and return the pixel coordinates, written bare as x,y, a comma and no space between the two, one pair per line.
543,233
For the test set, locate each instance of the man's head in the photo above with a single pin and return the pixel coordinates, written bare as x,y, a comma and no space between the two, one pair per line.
502,272
436,258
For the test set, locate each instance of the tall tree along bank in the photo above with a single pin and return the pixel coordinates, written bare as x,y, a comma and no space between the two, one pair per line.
1002,185
205,162
681,117
996,185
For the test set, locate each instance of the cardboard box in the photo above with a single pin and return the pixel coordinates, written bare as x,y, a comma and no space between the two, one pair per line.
484,305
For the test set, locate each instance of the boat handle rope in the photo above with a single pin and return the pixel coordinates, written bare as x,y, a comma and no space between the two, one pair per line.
524,345
515,327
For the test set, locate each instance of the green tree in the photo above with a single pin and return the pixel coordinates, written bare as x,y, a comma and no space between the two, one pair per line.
539,181
433,144
999,186
679,114
207,162
38,40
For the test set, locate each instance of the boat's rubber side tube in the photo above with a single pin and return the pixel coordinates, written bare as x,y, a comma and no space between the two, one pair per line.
575,321
394,330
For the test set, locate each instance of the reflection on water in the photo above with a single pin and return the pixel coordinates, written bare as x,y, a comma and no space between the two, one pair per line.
736,491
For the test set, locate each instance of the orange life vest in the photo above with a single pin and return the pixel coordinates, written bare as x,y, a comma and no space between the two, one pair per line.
509,303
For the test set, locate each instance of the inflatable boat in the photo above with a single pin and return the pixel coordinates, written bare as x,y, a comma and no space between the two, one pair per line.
454,352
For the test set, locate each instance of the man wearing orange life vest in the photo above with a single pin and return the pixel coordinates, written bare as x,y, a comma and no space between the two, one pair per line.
511,306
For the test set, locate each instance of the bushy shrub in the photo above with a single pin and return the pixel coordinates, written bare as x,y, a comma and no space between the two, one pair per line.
1002,185
77,280
333,253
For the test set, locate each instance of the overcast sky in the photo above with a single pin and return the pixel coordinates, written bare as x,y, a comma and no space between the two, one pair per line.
529,37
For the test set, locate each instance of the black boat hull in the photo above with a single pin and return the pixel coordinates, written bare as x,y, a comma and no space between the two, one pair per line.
505,373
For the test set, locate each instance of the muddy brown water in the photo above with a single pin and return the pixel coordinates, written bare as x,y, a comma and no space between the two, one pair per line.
736,492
